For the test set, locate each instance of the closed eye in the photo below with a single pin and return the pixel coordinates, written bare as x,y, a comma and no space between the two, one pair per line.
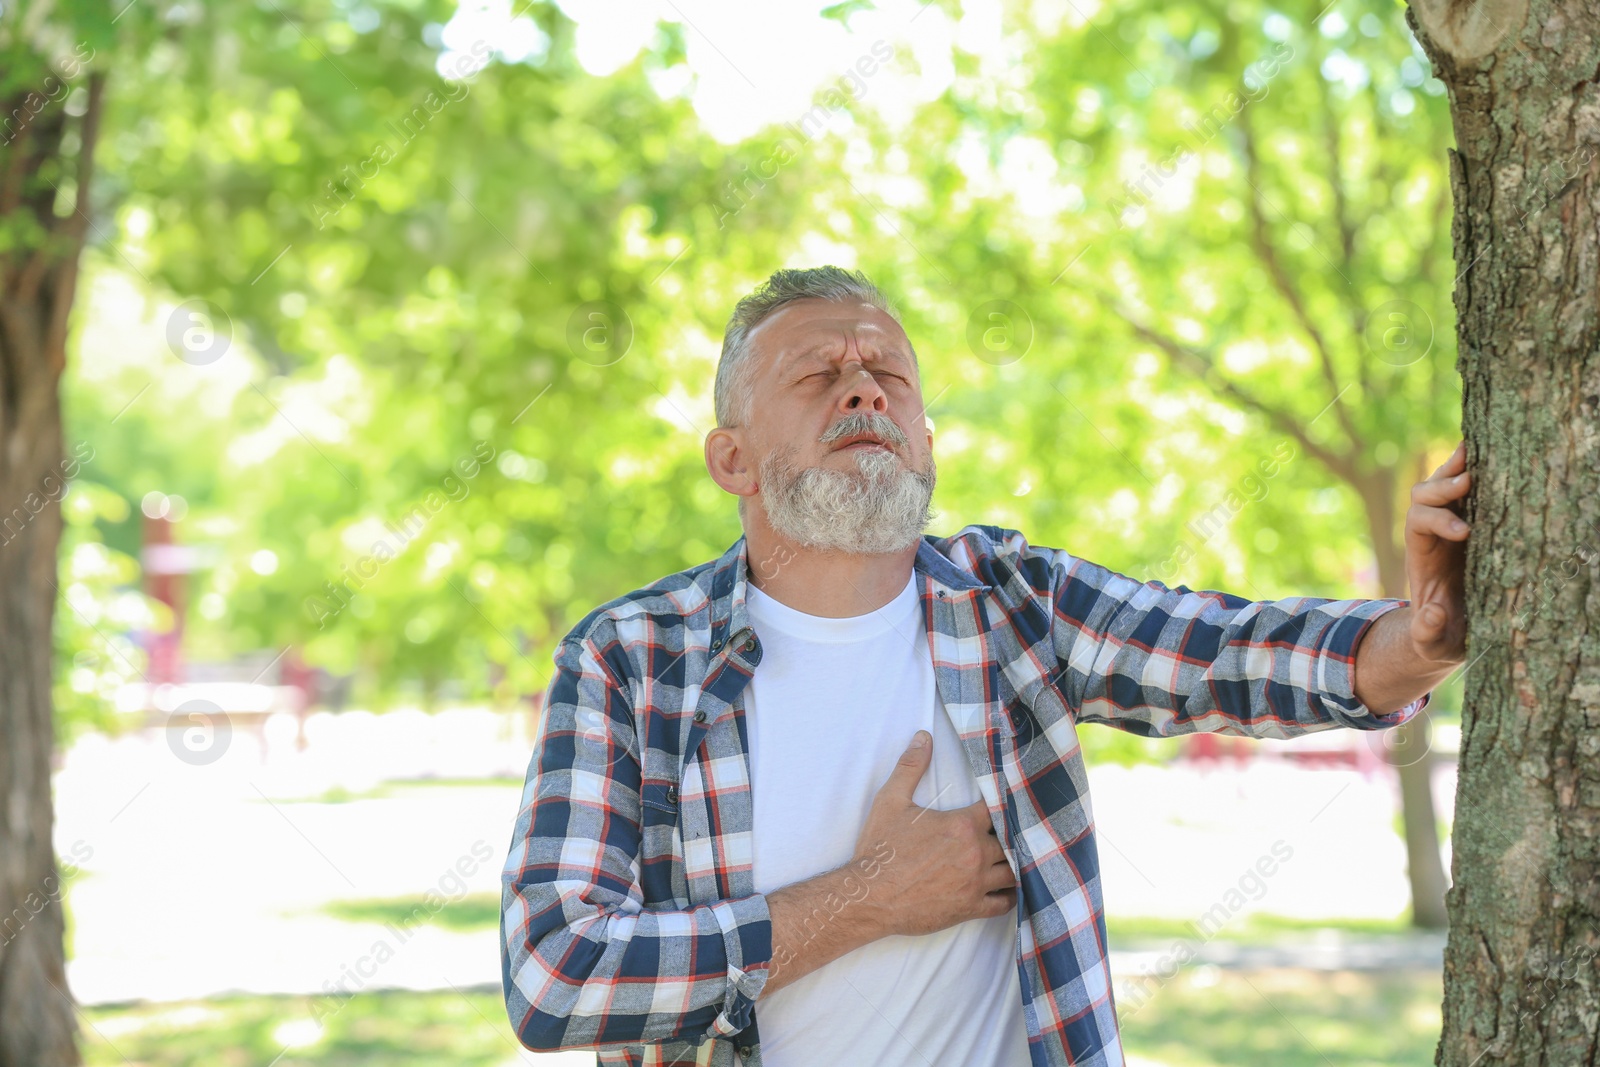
880,373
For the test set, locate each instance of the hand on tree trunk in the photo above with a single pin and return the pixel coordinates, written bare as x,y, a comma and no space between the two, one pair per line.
1409,651
1436,554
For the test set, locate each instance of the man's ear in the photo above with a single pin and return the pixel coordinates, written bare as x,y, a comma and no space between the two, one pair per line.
728,460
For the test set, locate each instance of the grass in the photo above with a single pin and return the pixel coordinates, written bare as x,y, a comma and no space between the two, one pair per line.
472,912
1209,1017
1252,929
1204,1017
390,1029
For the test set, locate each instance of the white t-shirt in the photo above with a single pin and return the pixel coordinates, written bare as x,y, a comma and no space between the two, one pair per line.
831,708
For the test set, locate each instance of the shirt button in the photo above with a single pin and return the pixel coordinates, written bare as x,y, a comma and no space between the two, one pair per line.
672,794
746,1051
750,645
716,645
699,716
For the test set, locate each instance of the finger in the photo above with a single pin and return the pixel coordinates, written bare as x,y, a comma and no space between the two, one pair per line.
999,902
1439,522
910,768
1437,491
997,877
1456,463
993,853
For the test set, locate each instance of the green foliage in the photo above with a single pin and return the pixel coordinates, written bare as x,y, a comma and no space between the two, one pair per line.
98,607
1111,445
408,270
1125,749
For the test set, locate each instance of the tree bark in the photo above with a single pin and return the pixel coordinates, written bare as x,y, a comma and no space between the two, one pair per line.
38,1021
1410,749
1522,984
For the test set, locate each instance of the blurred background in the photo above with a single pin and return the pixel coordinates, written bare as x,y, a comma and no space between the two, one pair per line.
393,356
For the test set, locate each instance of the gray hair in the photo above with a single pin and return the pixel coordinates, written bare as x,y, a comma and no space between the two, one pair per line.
733,386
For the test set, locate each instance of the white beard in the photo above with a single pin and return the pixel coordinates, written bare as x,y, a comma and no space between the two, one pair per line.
876,509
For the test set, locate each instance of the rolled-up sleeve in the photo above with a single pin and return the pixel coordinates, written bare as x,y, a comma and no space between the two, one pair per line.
585,962
1161,661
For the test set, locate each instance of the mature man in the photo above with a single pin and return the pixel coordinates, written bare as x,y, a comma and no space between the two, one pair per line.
830,783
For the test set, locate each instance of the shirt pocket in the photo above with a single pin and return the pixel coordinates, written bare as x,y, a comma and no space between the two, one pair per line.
661,875
1039,730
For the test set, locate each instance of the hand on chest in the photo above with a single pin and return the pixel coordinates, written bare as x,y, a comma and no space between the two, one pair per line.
828,714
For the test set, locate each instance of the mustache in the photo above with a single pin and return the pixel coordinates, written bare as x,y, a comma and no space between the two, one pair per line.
874,423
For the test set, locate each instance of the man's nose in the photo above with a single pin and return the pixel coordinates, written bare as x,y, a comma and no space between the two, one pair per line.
864,393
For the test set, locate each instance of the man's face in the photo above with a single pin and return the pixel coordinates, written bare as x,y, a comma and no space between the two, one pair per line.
837,427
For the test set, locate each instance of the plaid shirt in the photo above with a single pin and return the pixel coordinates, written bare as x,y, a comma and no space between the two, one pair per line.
629,918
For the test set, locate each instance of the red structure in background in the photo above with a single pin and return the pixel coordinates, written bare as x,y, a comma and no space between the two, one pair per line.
166,565
1357,750
247,689
1214,748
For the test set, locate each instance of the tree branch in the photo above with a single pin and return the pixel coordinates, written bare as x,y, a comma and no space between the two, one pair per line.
1341,202
1267,252
75,226
46,133
16,153
41,301
1332,135
1204,366
13,179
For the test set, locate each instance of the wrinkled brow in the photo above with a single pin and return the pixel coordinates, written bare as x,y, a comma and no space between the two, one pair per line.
884,349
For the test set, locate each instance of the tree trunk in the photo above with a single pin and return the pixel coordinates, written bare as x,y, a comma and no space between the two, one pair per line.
1409,748
1522,985
38,1022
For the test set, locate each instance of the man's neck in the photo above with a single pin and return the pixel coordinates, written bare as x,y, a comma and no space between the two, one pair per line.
829,584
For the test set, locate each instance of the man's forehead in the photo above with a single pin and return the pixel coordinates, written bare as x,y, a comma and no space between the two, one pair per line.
801,326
